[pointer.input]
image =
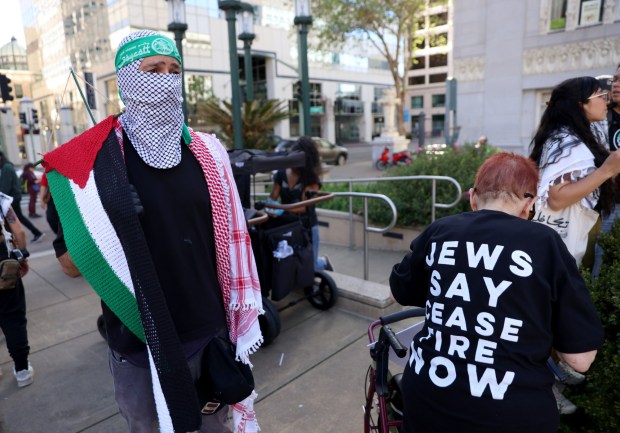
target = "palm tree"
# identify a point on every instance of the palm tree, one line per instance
(258, 119)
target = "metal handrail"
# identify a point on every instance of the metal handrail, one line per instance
(367, 228)
(434, 204)
(366, 196)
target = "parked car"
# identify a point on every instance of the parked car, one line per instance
(330, 153)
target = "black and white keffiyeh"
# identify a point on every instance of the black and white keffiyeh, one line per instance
(153, 118)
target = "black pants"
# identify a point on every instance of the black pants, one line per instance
(13, 324)
(51, 215)
(22, 219)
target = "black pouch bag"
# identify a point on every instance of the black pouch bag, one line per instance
(9, 273)
(223, 379)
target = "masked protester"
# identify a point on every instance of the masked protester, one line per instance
(150, 215)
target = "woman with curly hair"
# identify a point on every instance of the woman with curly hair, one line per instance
(292, 185)
(575, 169)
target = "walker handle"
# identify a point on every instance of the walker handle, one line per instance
(395, 344)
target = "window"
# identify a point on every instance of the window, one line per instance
(590, 12)
(420, 43)
(114, 104)
(438, 40)
(199, 89)
(418, 63)
(439, 101)
(437, 60)
(421, 23)
(437, 78)
(19, 91)
(420, 79)
(316, 99)
(439, 19)
(557, 18)
(438, 124)
(417, 102)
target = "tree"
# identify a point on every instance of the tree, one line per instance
(258, 119)
(389, 25)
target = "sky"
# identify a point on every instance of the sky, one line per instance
(12, 26)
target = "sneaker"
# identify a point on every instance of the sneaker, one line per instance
(565, 406)
(24, 377)
(571, 377)
(328, 264)
(38, 237)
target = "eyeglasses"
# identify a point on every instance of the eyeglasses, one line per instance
(604, 95)
(532, 213)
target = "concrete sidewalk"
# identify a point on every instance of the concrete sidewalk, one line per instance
(310, 379)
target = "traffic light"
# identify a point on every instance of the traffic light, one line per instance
(22, 119)
(297, 90)
(5, 88)
(35, 116)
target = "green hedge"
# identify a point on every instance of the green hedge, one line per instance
(413, 197)
(599, 398)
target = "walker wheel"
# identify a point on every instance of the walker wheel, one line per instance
(323, 293)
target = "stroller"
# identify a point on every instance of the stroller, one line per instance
(282, 246)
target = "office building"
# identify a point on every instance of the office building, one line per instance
(83, 35)
(509, 54)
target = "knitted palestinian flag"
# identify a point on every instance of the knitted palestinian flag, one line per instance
(104, 237)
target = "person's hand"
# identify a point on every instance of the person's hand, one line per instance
(612, 163)
(68, 266)
(135, 198)
(23, 268)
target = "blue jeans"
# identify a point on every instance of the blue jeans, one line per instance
(605, 228)
(134, 395)
(319, 262)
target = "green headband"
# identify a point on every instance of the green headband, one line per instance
(154, 45)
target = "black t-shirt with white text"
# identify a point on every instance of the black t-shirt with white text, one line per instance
(500, 292)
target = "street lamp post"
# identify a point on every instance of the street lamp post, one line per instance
(178, 25)
(247, 36)
(231, 7)
(303, 20)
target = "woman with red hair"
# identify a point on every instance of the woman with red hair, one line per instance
(500, 293)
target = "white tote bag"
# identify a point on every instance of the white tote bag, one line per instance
(573, 224)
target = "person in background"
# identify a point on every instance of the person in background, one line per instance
(609, 135)
(13, 300)
(32, 186)
(576, 170)
(501, 293)
(292, 185)
(150, 216)
(11, 186)
(47, 204)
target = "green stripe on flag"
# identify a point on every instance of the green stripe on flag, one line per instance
(89, 260)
